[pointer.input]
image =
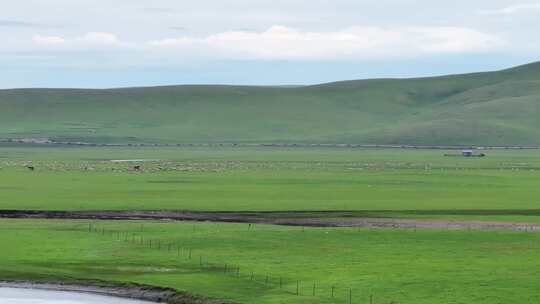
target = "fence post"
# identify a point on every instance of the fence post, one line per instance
(371, 299)
(313, 289)
(297, 288)
(350, 295)
(333, 291)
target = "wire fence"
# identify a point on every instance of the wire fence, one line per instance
(333, 293)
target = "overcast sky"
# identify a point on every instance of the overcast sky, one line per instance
(104, 43)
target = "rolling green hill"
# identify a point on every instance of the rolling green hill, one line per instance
(493, 108)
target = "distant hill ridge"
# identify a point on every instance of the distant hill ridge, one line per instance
(499, 108)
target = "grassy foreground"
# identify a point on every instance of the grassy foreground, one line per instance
(395, 266)
(233, 179)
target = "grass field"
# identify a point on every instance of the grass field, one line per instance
(234, 179)
(395, 266)
(496, 108)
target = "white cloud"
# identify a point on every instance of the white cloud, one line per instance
(89, 39)
(454, 40)
(286, 43)
(39, 39)
(513, 9)
(99, 38)
(279, 42)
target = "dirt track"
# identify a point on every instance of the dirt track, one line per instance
(308, 218)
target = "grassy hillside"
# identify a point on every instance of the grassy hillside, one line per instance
(495, 108)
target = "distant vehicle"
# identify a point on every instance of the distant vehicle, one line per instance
(468, 153)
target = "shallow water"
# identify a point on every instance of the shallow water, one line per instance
(33, 296)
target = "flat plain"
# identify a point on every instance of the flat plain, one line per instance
(232, 261)
(259, 179)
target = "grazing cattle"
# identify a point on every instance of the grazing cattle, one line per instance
(31, 168)
(137, 168)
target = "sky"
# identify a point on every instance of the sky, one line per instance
(104, 43)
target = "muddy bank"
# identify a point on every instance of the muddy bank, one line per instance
(126, 291)
(292, 218)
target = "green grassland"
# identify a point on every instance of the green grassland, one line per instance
(392, 265)
(395, 266)
(503, 185)
(495, 108)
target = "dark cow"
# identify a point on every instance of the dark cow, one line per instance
(31, 168)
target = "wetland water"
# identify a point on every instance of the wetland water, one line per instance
(35, 296)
